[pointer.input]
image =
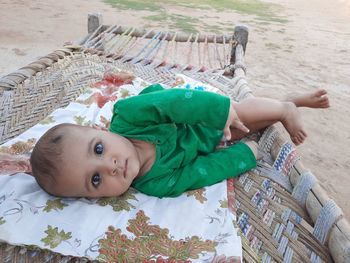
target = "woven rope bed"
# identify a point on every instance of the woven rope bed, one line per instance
(283, 213)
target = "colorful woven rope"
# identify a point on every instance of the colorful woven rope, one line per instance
(282, 156)
(265, 169)
(267, 139)
(330, 212)
(301, 190)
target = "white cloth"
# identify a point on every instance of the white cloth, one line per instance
(78, 227)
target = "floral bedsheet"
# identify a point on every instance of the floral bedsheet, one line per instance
(194, 227)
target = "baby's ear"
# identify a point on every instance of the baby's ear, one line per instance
(97, 127)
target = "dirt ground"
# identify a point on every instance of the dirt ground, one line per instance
(311, 50)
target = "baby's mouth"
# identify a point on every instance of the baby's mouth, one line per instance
(125, 168)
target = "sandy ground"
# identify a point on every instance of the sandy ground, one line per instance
(312, 50)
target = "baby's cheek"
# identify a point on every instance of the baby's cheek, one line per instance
(121, 189)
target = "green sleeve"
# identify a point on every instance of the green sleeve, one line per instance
(172, 106)
(205, 170)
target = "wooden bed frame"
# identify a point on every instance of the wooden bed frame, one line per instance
(32, 92)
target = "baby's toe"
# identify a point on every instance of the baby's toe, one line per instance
(321, 92)
(303, 134)
(325, 102)
(295, 140)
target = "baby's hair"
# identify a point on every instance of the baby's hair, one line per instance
(46, 158)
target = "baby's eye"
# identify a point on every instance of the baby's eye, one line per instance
(96, 180)
(98, 148)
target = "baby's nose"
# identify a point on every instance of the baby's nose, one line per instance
(114, 167)
(110, 166)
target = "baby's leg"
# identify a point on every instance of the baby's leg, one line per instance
(258, 113)
(261, 113)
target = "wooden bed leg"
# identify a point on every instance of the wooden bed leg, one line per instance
(95, 28)
(241, 36)
(94, 21)
(236, 67)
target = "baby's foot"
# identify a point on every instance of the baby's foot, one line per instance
(318, 99)
(293, 124)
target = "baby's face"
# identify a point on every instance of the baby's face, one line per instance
(96, 164)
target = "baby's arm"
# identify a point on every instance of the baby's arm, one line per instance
(205, 170)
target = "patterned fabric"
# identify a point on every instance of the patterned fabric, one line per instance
(196, 226)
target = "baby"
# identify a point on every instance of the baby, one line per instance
(163, 143)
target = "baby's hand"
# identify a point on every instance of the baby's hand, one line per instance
(233, 121)
(98, 127)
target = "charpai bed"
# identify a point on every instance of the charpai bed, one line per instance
(275, 213)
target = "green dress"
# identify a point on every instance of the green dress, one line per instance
(186, 127)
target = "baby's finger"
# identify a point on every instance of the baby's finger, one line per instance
(98, 127)
(240, 126)
(227, 134)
